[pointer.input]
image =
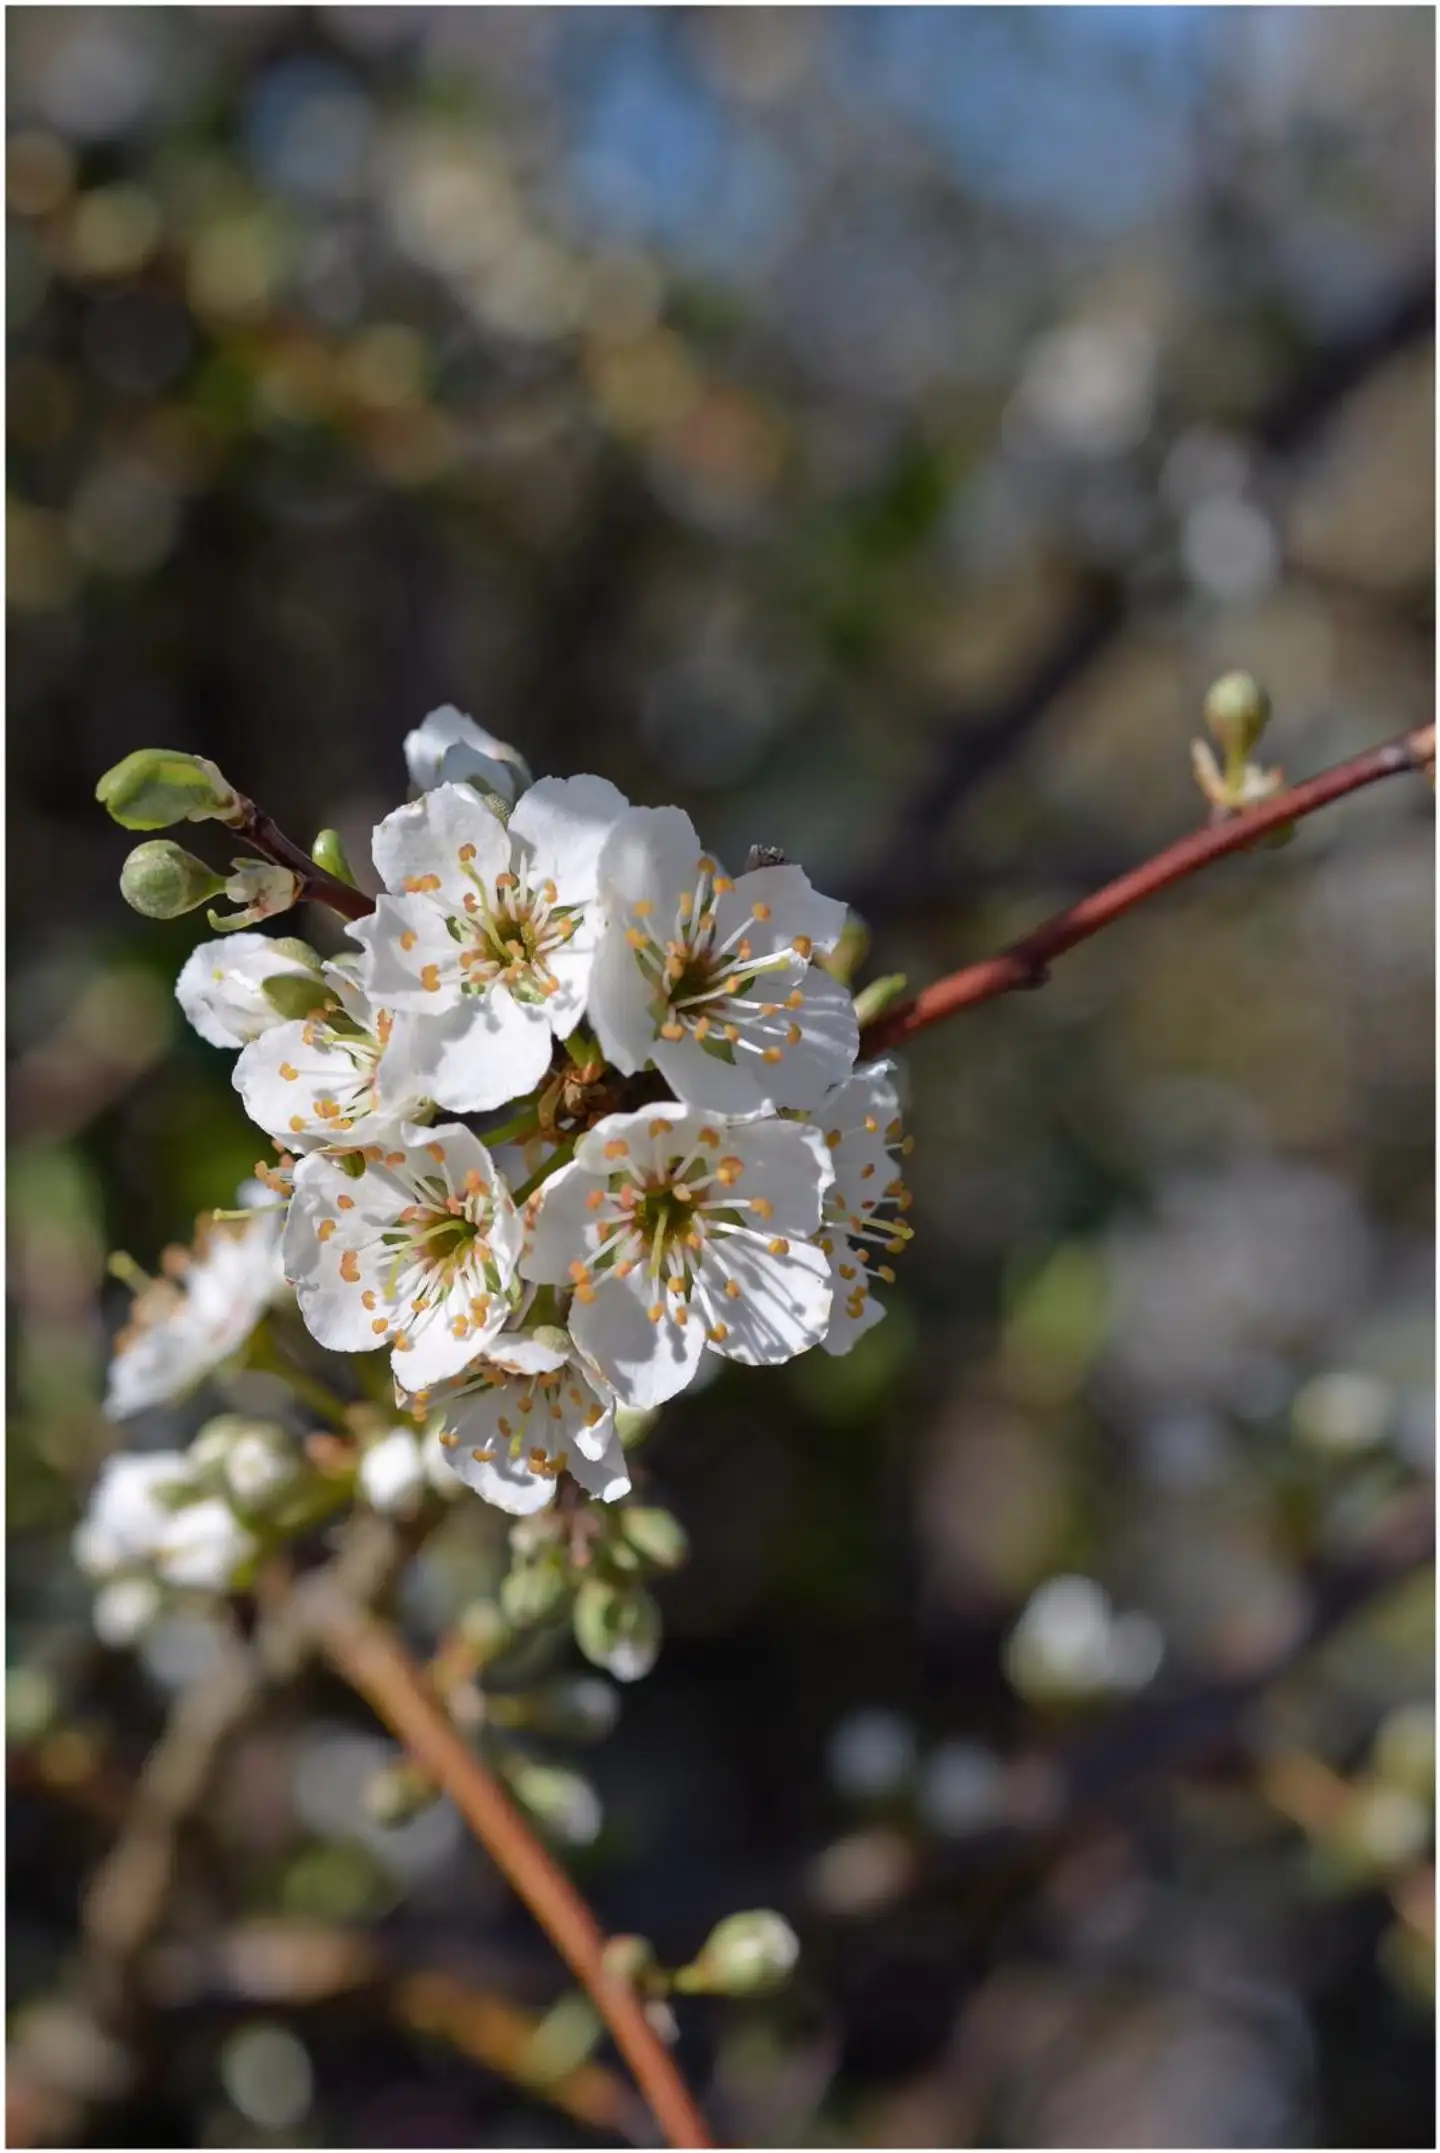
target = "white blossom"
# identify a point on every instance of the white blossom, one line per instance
(677, 1231)
(392, 1472)
(126, 1514)
(123, 1609)
(416, 1251)
(221, 987)
(711, 978)
(185, 1324)
(860, 1122)
(202, 1547)
(487, 933)
(525, 1412)
(451, 749)
(328, 1078)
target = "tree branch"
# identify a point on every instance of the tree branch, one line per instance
(265, 834)
(1026, 962)
(373, 1661)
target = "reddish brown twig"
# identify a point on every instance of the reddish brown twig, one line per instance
(1025, 963)
(265, 834)
(373, 1661)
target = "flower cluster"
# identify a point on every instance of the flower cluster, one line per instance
(580, 1110)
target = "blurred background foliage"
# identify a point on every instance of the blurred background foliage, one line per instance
(871, 428)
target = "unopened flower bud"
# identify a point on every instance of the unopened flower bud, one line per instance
(450, 748)
(123, 1609)
(155, 787)
(532, 1592)
(580, 1709)
(261, 889)
(850, 952)
(749, 1954)
(562, 1801)
(162, 881)
(618, 1628)
(399, 1792)
(656, 1536)
(873, 1000)
(631, 1959)
(1404, 1753)
(634, 1422)
(1237, 711)
(329, 853)
(484, 1631)
(392, 1473)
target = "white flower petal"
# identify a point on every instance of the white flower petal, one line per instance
(483, 1053)
(620, 1004)
(606, 1476)
(644, 1362)
(855, 1309)
(793, 906)
(450, 747)
(410, 960)
(782, 1306)
(221, 987)
(708, 1081)
(650, 854)
(424, 840)
(556, 1219)
(560, 828)
(392, 1472)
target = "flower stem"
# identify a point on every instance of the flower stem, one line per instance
(1025, 963)
(375, 1663)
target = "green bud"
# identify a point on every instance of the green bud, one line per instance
(565, 2038)
(1404, 1753)
(618, 1627)
(399, 1792)
(873, 1000)
(484, 1631)
(351, 1163)
(562, 1801)
(632, 1959)
(580, 1708)
(155, 787)
(1237, 711)
(849, 953)
(32, 1703)
(295, 995)
(633, 1423)
(328, 852)
(533, 1592)
(161, 881)
(745, 1955)
(655, 1535)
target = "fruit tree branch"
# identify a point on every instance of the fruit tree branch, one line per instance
(1026, 962)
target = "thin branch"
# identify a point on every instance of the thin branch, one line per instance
(265, 834)
(1026, 962)
(373, 1661)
